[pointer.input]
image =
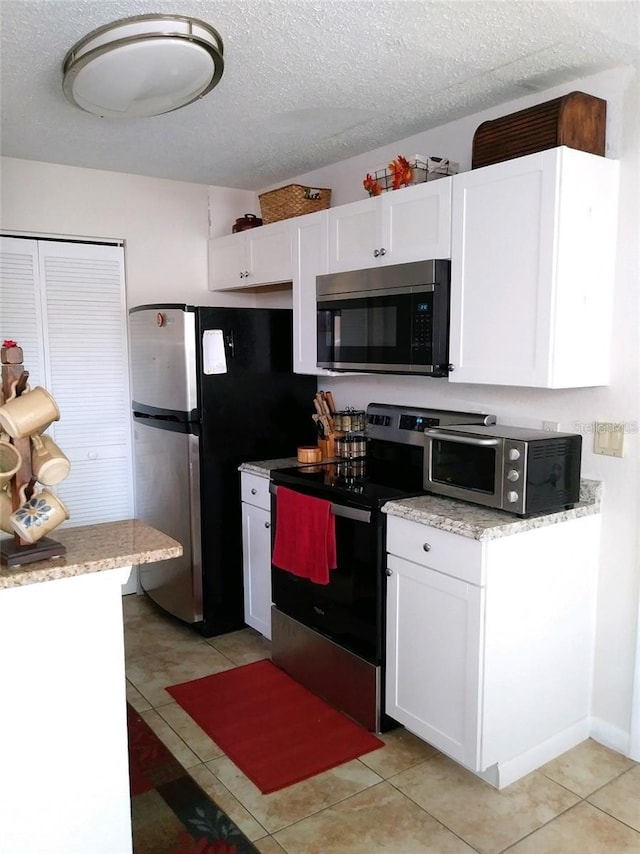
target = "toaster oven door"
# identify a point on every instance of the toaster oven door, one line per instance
(467, 467)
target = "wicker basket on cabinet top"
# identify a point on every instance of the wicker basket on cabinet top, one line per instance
(576, 120)
(293, 200)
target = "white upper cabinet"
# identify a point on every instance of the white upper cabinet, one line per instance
(532, 266)
(257, 256)
(411, 224)
(309, 238)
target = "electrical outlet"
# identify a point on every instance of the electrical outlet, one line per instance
(608, 439)
(551, 426)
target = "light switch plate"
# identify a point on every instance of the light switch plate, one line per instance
(608, 439)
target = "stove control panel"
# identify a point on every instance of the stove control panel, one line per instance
(406, 424)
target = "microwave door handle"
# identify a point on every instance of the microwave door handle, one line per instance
(463, 440)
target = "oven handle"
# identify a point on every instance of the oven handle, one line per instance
(339, 509)
(464, 440)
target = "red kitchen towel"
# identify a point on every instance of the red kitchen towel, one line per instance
(305, 541)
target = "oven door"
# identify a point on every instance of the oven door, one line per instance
(349, 609)
(466, 467)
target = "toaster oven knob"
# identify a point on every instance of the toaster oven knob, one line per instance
(514, 454)
(513, 475)
(512, 497)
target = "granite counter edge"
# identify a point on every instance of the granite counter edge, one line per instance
(481, 523)
(154, 546)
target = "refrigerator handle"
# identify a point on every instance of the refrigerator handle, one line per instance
(231, 344)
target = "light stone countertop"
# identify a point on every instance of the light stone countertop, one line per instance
(462, 517)
(264, 467)
(93, 548)
(482, 523)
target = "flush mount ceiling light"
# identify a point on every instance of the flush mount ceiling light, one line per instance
(143, 66)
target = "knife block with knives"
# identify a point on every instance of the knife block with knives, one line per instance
(323, 418)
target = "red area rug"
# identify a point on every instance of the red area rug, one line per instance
(275, 730)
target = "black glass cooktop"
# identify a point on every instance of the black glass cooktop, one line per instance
(386, 473)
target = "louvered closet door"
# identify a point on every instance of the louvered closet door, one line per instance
(89, 378)
(64, 304)
(20, 303)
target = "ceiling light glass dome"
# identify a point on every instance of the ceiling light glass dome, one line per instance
(143, 66)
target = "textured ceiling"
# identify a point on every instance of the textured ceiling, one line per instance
(306, 82)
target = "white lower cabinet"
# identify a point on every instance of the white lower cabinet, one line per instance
(434, 635)
(256, 552)
(490, 642)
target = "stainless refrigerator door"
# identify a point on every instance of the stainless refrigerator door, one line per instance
(167, 475)
(163, 358)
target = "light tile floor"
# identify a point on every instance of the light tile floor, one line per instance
(405, 798)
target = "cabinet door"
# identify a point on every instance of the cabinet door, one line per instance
(256, 561)
(269, 254)
(416, 222)
(354, 235)
(530, 306)
(434, 642)
(501, 285)
(228, 262)
(309, 238)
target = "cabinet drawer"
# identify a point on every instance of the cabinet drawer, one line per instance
(452, 554)
(255, 490)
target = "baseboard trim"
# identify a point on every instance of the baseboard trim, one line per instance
(504, 773)
(610, 736)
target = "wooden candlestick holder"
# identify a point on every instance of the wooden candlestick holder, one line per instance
(16, 551)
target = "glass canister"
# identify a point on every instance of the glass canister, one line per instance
(349, 447)
(349, 420)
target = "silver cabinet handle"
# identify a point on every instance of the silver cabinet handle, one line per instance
(242, 275)
(388, 572)
(254, 491)
(246, 274)
(383, 251)
(426, 547)
(267, 524)
(376, 252)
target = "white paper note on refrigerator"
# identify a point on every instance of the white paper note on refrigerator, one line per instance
(214, 360)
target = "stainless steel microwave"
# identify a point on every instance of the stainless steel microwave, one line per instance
(515, 469)
(392, 319)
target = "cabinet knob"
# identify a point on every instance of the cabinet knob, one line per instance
(426, 547)
(242, 275)
(246, 274)
(254, 491)
(267, 524)
(388, 572)
(376, 252)
(383, 251)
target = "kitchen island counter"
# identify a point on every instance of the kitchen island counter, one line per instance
(63, 723)
(483, 523)
(94, 548)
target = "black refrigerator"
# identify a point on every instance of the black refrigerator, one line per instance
(211, 388)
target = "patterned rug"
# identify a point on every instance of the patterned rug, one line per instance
(171, 813)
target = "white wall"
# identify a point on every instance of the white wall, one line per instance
(164, 224)
(620, 401)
